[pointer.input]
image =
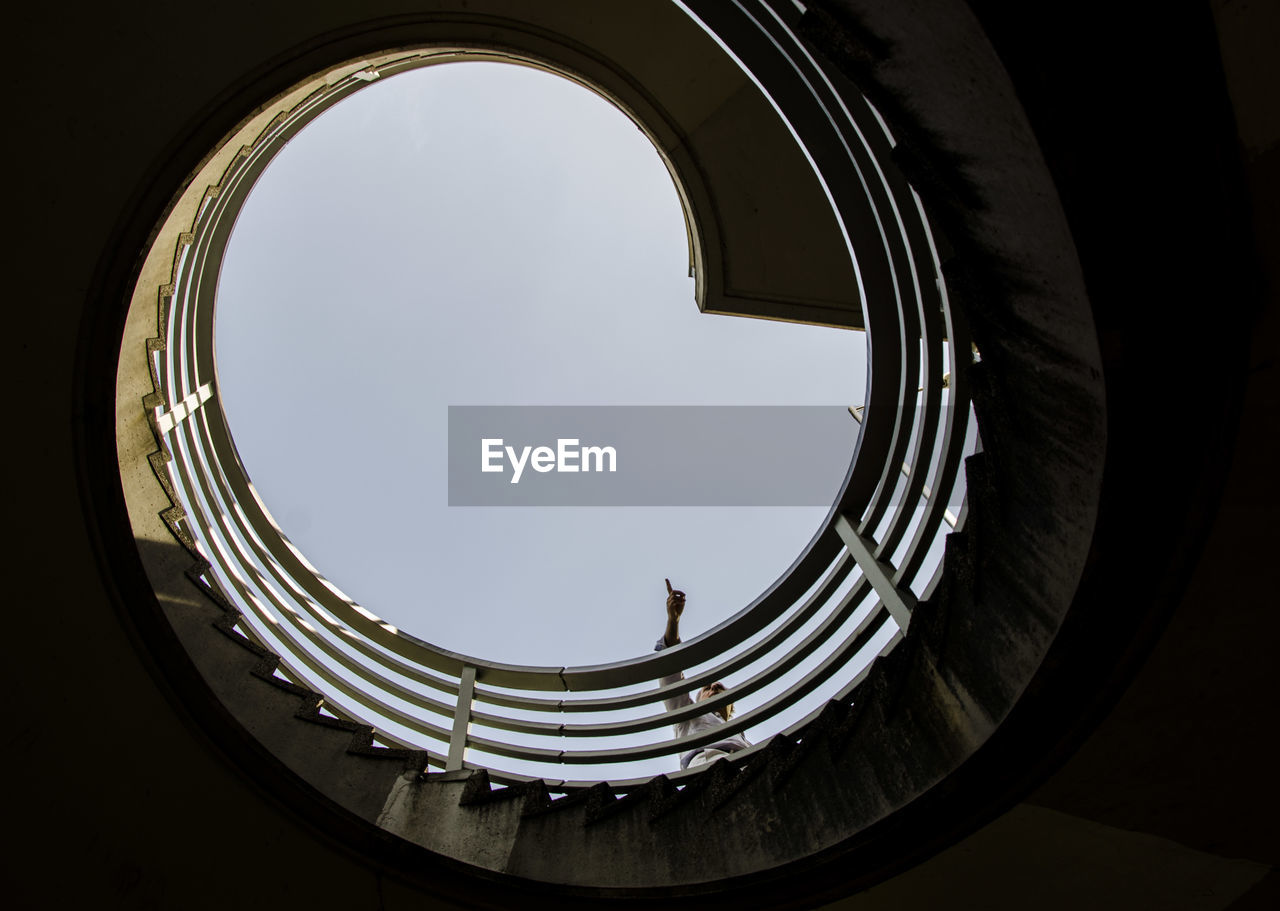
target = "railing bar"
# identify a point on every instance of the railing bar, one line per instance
(290, 650)
(855, 642)
(213, 480)
(290, 610)
(839, 571)
(739, 723)
(847, 607)
(925, 492)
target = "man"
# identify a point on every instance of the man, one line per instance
(699, 723)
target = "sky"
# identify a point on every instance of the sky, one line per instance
(488, 234)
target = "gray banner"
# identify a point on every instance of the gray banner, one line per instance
(648, 455)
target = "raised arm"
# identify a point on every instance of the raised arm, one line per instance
(675, 607)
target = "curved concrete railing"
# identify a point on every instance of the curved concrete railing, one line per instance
(847, 599)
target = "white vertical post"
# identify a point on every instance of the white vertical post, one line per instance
(898, 602)
(461, 720)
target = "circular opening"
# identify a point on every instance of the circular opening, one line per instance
(804, 646)
(876, 538)
(481, 233)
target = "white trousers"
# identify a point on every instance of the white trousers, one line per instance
(706, 756)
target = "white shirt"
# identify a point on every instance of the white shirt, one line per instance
(698, 723)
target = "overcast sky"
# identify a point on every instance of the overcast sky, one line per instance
(481, 233)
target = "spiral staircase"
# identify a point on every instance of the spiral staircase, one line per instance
(1083, 251)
